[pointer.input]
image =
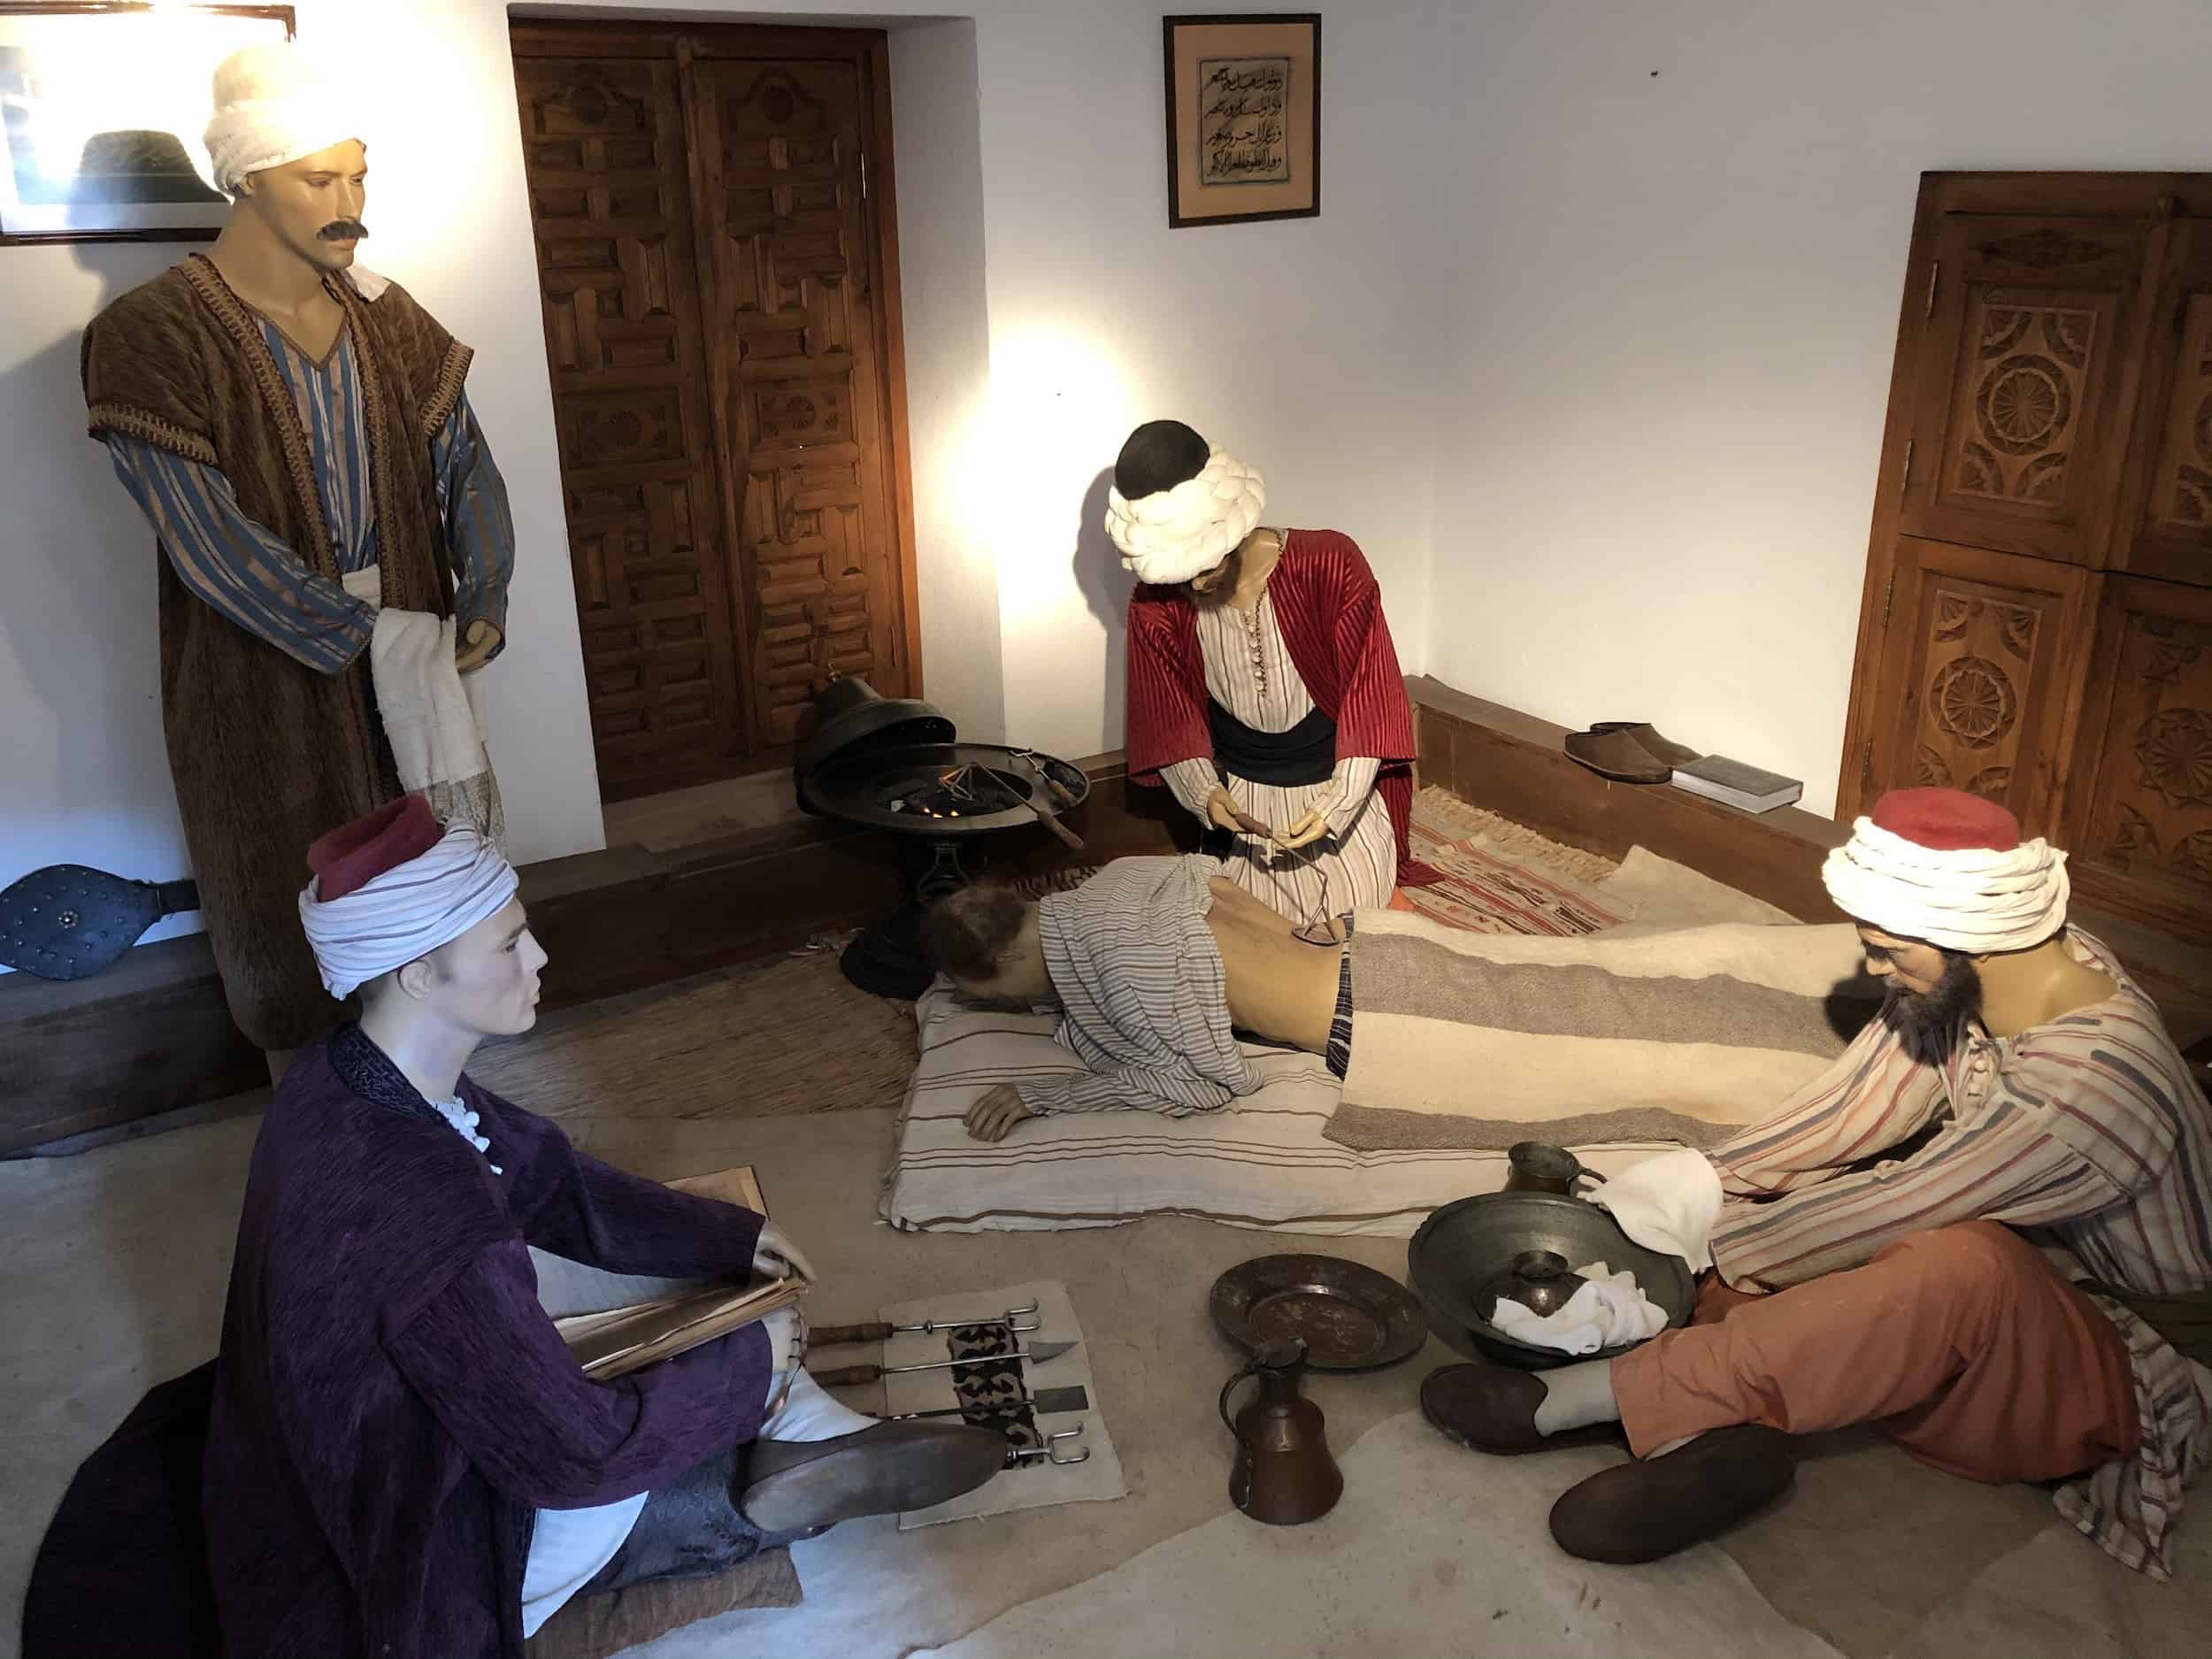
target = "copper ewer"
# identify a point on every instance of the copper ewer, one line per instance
(1283, 1474)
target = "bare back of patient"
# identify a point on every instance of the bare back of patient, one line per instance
(1279, 986)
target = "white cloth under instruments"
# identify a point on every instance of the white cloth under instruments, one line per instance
(433, 714)
(1608, 1311)
(1355, 866)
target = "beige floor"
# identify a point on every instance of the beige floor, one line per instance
(113, 1276)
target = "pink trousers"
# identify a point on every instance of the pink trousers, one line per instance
(1964, 1343)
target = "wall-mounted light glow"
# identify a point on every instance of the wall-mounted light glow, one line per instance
(1060, 409)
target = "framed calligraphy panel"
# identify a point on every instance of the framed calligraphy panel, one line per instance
(1243, 117)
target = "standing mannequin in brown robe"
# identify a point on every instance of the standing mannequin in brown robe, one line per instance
(297, 434)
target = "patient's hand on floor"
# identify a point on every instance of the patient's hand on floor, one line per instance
(997, 1112)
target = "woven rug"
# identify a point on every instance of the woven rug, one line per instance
(1500, 877)
(762, 1040)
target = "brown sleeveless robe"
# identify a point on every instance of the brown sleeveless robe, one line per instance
(267, 753)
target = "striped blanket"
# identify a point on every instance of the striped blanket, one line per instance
(1261, 1161)
(1476, 1040)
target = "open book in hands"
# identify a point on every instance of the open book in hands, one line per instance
(622, 1340)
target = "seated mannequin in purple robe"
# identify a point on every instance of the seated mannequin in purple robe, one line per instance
(402, 1457)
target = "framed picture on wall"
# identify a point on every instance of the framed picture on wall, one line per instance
(1243, 117)
(101, 113)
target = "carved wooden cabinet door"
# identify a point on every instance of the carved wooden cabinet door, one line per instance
(1982, 649)
(2141, 830)
(2018, 416)
(793, 335)
(603, 153)
(2168, 498)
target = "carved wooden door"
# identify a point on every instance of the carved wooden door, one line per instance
(2037, 624)
(1985, 647)
(795, 337)
(720, 306)
(605, 155)
(2017, 437)
(2168, 501)
(2142, 832)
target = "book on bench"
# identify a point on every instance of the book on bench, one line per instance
(622, 1340)
(1733, 783)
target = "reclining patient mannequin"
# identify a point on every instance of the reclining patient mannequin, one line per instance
(1152, 964)
(402, 1457)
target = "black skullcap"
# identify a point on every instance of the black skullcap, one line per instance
(1159, 455)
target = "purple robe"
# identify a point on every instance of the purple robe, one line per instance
(392, 1404)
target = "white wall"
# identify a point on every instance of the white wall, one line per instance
(1677, 300)
(1034, 230)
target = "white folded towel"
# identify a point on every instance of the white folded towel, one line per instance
(1607, 1311)
(1670, 1204)
(432, 718)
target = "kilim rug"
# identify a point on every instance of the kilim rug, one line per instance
(1502, 879)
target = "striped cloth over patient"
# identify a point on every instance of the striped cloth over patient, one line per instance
(1479, 1040)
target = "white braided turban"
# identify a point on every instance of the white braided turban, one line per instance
(274, 105)
(406, 912)
(1174, 535)
(1974, 899)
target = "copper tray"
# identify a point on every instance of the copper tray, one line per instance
(1350, 1317)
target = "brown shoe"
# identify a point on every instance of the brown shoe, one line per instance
(1651, 1507)
(1617, 756)
(792, 1485)
(1493, 1409)
(1648, 739)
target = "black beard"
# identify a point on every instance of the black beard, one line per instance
(1929, 1024)
(343, 230)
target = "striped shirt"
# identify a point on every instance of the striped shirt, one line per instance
(1144, 1001)
(247, 574)
(1355, 866)
(2088, 1132)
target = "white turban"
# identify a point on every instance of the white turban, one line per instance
(1174, 535)
(272, 104)
(406, 912)
(1974, 899)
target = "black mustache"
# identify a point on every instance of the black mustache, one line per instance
(343, 230)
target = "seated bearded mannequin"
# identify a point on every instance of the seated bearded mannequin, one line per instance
(1864, 1246)
(1153, 962)
(402, 1457)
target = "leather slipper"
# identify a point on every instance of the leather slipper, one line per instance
(796, 1486)
(1646, 1510)
(1492, 1410)
(1650, 741)
(1617, 756)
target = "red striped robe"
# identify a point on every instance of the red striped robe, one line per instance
(1329, 608)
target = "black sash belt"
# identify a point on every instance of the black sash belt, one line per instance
(1305, 754)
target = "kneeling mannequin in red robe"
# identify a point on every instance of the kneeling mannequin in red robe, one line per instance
(1263, 689)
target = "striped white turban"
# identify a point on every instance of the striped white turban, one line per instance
(392, 887)
(273, 104)
(1949, 868)
(1174, 535)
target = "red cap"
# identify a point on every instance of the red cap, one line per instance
(1947, 820)
(350, 858)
